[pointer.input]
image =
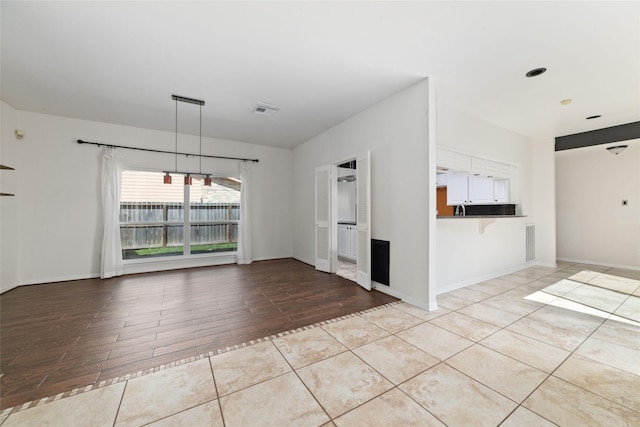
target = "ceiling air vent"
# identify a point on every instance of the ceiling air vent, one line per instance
(266, 109)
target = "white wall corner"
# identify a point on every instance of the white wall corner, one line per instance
(432, 134)
(395, 130)
(430, 306)
(544, 199)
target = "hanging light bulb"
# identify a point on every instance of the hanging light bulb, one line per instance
(188, 180)
(167, 178)
(207, 181)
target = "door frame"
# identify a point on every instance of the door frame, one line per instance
(332, 266)
(325, 214)
(334, 203)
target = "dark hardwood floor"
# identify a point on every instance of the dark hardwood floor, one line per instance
(59, 336)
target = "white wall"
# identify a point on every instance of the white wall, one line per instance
(592, 224)
(9, 216)
(396, 131)
(59, 203)
(475, 249)
(543, 173)
(472, 250)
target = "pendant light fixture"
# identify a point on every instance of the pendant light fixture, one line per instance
(188, 180)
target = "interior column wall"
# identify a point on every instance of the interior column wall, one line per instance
(470, 250)
(396, 131)
(544, 200)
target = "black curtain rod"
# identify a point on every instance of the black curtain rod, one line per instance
(99, 144)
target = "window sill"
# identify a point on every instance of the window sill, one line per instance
(134, 266)
(157, 259)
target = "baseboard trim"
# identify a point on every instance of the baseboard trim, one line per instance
(59, 279)
(142, 267)
(432, 305)
(601, 264)
(477, 279)
(311, 263)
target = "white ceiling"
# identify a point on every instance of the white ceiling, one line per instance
(321, 62)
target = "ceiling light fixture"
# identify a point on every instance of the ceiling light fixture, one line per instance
(566, 101)
(594, 117)
(617, 149)
(536, 72)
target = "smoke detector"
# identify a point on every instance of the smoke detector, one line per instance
(265, 109)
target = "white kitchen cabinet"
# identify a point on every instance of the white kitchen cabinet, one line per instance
(347, 241)
(504, 171)
(501, 191)
(461, 162)
(457, 190)
(493, 168)
(475, 190)
(444, 159)
(479, 166)
(441, 179)
(480, 190)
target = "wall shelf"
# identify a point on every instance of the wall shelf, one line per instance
(9, 168)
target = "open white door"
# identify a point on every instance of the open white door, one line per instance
(323, 218)
(363, 219)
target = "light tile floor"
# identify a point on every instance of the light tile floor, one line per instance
(539, 347)
(347, 269)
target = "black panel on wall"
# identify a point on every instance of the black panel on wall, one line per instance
(380, 261)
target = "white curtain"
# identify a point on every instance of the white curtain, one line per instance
(244, 225)
(111, 246)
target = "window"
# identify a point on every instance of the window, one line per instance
(154, 215)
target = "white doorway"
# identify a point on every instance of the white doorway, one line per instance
(350, 237)
(347, 230)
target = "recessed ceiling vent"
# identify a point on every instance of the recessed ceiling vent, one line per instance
(266, 109)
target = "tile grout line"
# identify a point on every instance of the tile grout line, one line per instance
(295, 372)
(548, 375)
(124, 389)
(350, 350)
(397, 386)
(215, 385)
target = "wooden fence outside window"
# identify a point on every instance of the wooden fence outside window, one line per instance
(161, 224)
